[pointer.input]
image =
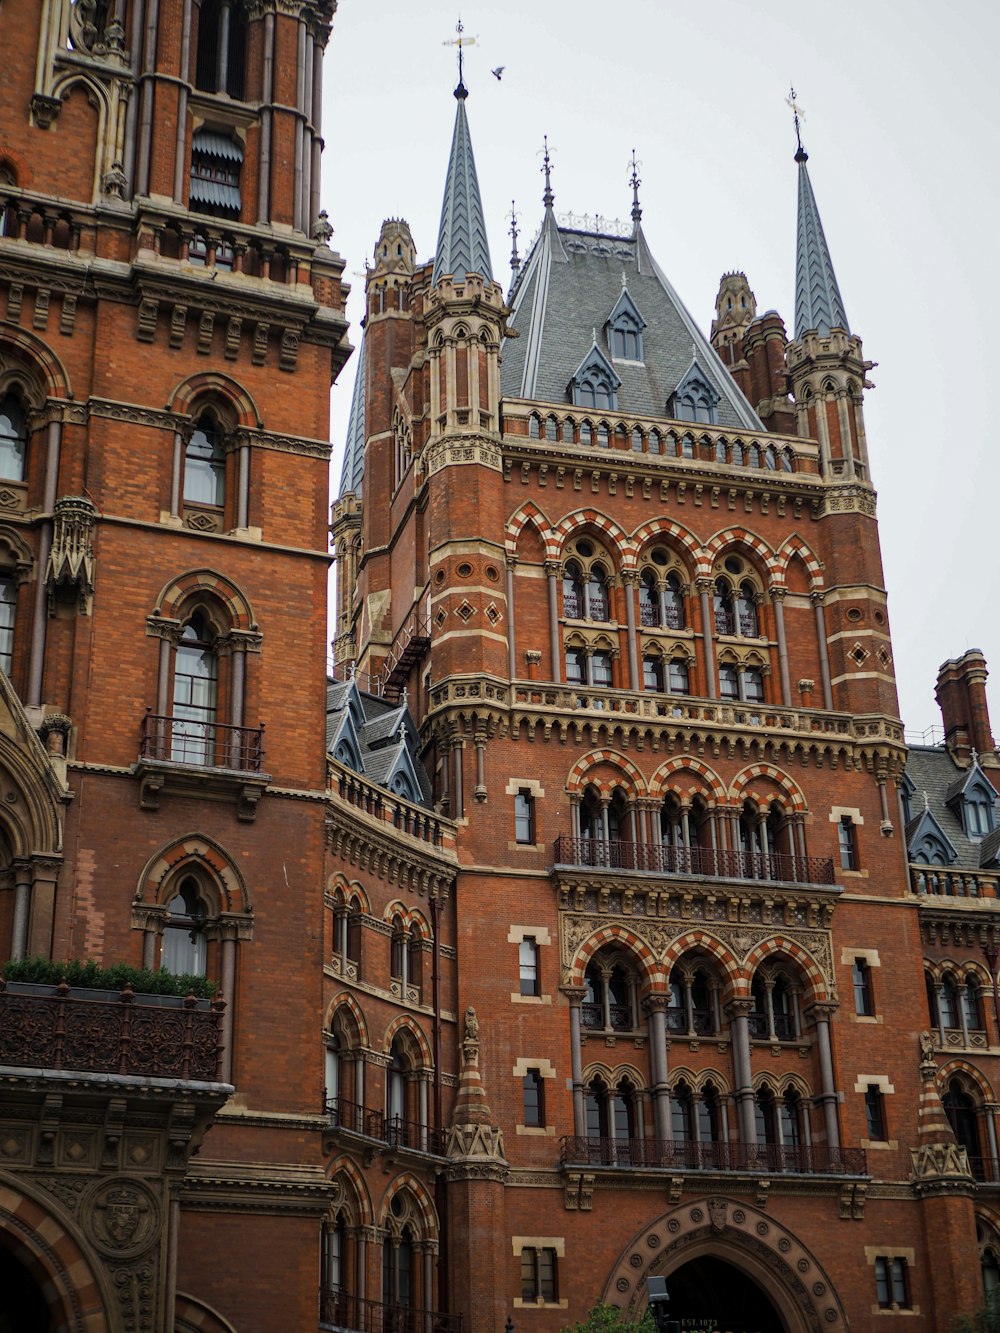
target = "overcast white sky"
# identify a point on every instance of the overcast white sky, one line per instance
(902, 102)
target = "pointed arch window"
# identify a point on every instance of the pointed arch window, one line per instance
(205, 465)
(13, 438)
(196, 694)
(595, 383)
(695, 398)
(183, 949)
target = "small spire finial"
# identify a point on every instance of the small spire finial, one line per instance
(461, 41)
(548, 198)
(635, 182)
(799, 115)
(514, 232)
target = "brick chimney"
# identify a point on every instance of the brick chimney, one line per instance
(961, 693)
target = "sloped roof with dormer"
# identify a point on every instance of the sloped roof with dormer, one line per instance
(935, 782)
(566, 290)
(819, 306)
(462, 243)
(376, 737)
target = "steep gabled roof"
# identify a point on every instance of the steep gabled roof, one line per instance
(819, 306)
(462, 244)
(565, 289)
(378, 739)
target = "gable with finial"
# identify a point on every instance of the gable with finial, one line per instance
(624, 328)
(926, 841)
(972, 799)
(695, 398)
(595, 382)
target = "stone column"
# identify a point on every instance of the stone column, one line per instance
(739, 1012)
(821, 1014)
(824, 655)
(555, 644)
(655, 1006)
(778, 595)
(575, 996)
(36, 663)
(511, 563)
(705, 589)
(22, 910)
(629, 578)
(228, 984)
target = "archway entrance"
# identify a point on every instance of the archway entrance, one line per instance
(23, 1305)
(708, 1295)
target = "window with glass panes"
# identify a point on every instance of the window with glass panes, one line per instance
(528, 965)
(524, 816)
(847, 843)
(534, 1099)
(891, 1284)
(875, 1112)
(861, 978)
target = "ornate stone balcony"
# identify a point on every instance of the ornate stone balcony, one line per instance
(181, 756)
(45, 1028)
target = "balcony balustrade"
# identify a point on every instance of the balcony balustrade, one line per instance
(713, 862)
(352, 1314)
(392, 1130)
(402, 815)
(686, 1155)
(139, 1035)
(942, 883)
(201, 744)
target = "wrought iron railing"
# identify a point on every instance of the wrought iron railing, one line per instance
(783, 1025)
(338, 1309)
(686, 1155)
(390, 1129)
(711, 861)
(986, 1170)
(620, 1016)
(201, 744)
(702, 1022)
(145, 1036)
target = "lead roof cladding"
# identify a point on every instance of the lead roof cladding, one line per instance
(566, 291)
(819, 306)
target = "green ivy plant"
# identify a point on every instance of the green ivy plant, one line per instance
(606, 1319)
(91, 976)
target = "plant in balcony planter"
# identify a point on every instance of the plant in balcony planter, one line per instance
(92, 976)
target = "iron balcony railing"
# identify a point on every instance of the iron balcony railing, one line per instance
(390, 1129)
(353, 1314)
(143, 1036)
(201, 744)
(662, 859)
(986, 1170)
(685, 1155)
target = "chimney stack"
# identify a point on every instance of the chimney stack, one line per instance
(961, 694)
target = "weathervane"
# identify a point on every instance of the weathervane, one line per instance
(799, 116)
(460, 41)
(635, 182)
(548, 198)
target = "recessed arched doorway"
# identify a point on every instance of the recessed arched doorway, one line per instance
(23, 1305)
(730, 1243)
(712, 1296)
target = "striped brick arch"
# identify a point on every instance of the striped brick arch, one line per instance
(703, 942)
(626, 939)
(741, 786)
(211, 386)
(660, 783)
(357, 1017)
(975, 1077)
(205, 585)
(402, 1024)
(353, 891)
(418, 1193)
(196, 851)
(671, 534)
(519, 520)
(574, 525)
(44, 370)
(795, 545)
(344, 1173)
(581, 774)
(38, 1237)
(739, 539)
(778, 946)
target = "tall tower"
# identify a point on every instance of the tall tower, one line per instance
(171, 317)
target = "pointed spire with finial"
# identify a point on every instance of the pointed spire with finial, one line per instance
(514, 232)
(819, 307)
(548, 198)
(635, 182)
(462, 245)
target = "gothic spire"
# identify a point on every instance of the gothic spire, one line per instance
(462, 244)
(818, 303)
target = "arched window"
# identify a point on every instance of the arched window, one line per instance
(694, 1000)
(395, 1084)
(746, 608)
(609, 998)
(653, 675)
(961, 1110)
(678, 676)
(576, 666)
(765, 1116)
(183, 948)
(13, 438)
(971, 1010)
(574, 596)
(8, 610)
(221, 59)
(195, 696)
(598, 607)
(612, 1119)
(205, 465)
(729, 681)
(649, 599)
(725, 612)
(775, 1014)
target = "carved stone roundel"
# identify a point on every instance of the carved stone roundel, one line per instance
(123, 1217)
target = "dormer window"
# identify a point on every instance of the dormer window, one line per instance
(624, 327)
(978, 813)
(595, 384)
(216, 164)
(695, 399)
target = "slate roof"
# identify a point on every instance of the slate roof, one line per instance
(932, 770)
(462, 243)
(568, 287)
(818, 303)
(386, 734)
(353, 472)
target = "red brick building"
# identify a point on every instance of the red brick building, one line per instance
(567, 938)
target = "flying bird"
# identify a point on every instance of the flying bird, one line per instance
(498, 72)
